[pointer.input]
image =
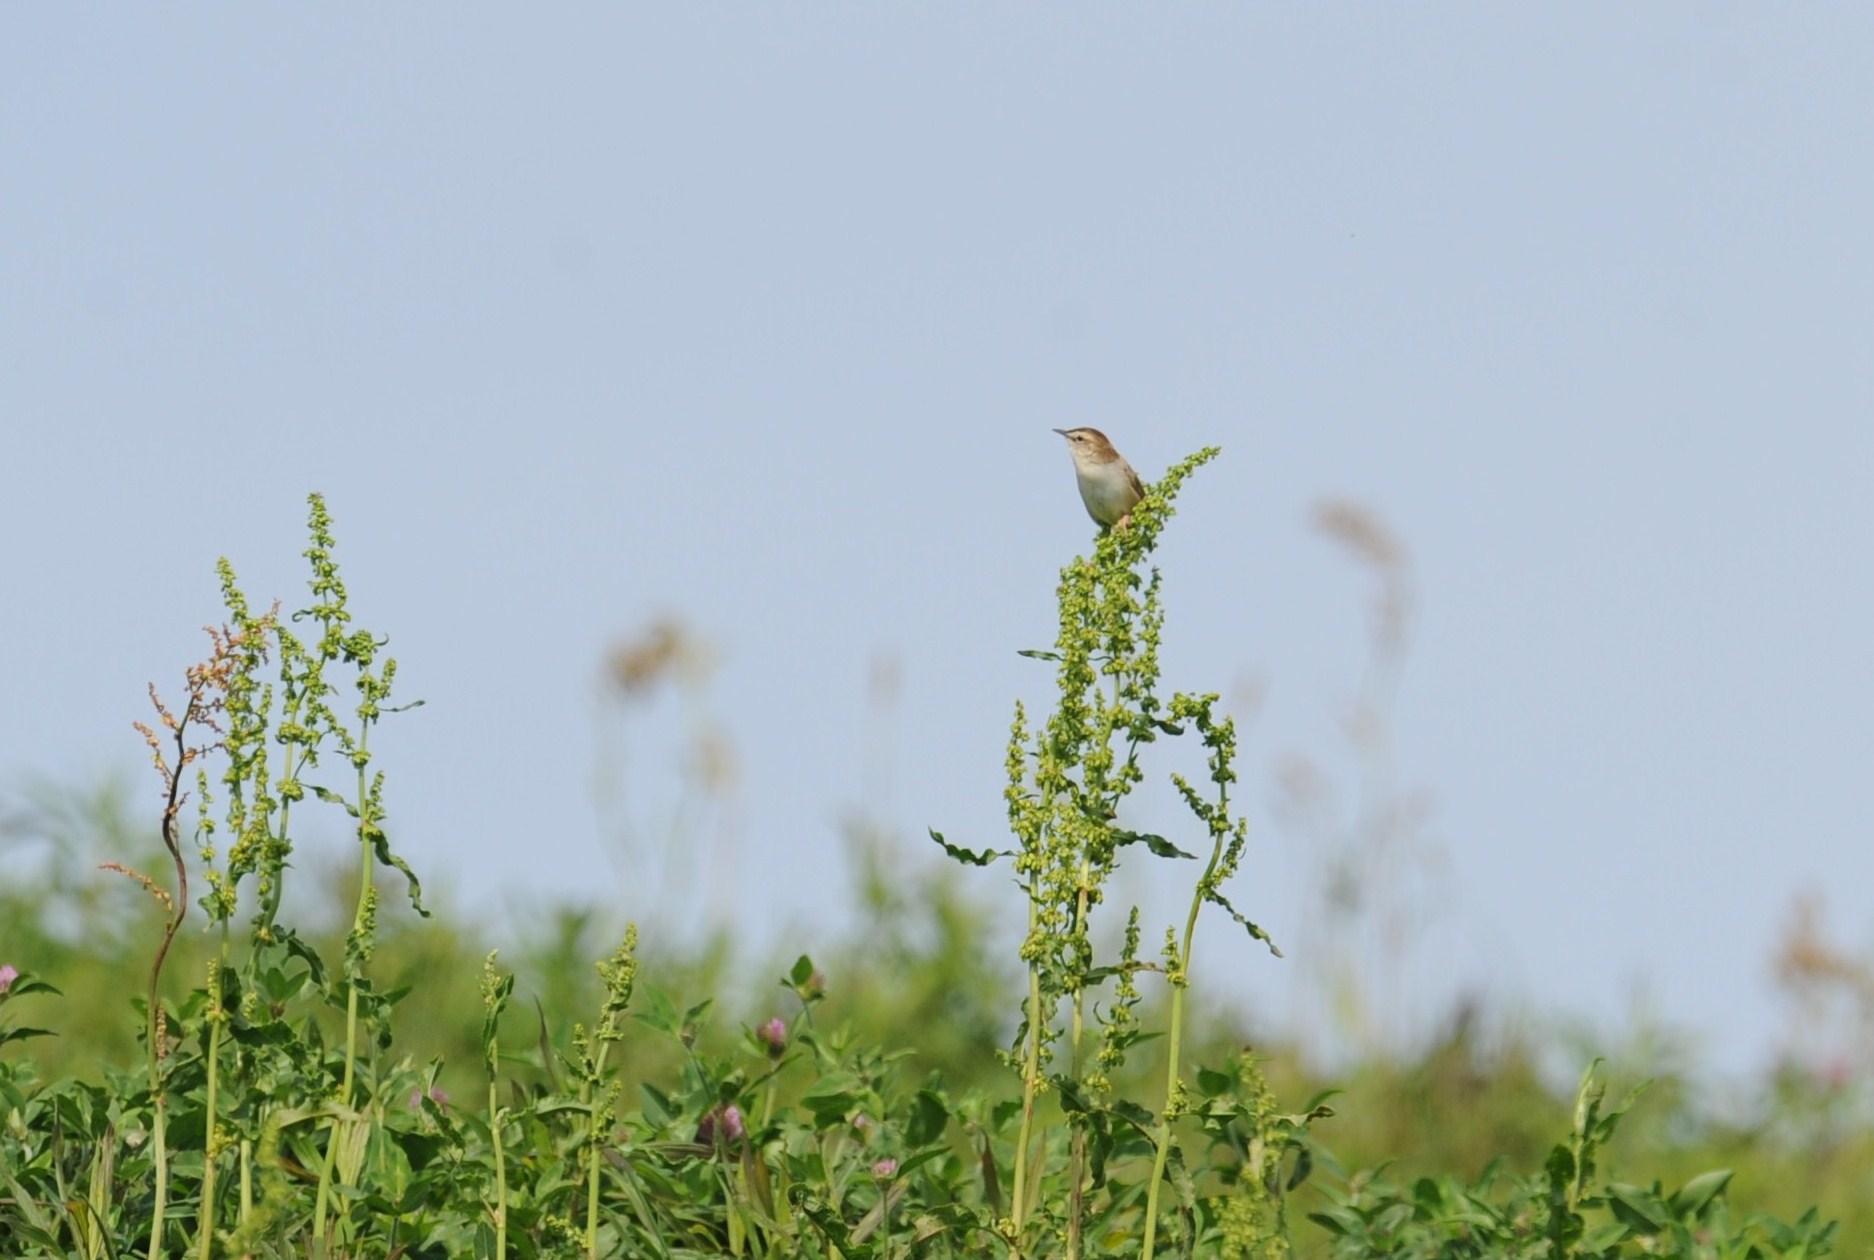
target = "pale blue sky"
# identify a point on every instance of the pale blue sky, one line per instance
(763, 315)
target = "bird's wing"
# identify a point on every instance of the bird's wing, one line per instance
(1132, 476)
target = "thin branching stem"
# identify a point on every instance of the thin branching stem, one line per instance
(155, 1031)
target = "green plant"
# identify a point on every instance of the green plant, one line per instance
(280, 1112)
(1067, 779)
(1568, 1209)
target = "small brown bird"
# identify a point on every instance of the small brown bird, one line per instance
(1108, 486)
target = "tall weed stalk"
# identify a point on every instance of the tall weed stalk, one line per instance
(231, 711)
(1067, 779)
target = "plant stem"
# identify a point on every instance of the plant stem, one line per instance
(1031, 1080)
(216, 1018)
(247, 1179)
(354, 964)
(160, 1155)
(592, 1154)
(153, 1025)
(501, 1175)
(1173, 1048)
(1077, 1160)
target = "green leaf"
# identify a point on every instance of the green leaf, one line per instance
(1316, 1108)
(836, 1094)
(1605, 1240)
(992, 1183)
(1185, 1185)
(1039, 654)
(656, 1010)
(1100, 1146)
(1338, 1221)
(921, 1158)
(380, 844)
(290, 941)
(828, 1222)
(333, 798)
(1256, 933)
(657, 1105)
(929, 1118)
(1135, 1115)
(41, 1219)
(969, 857)
(21, 1034)
(386, 1167)
(1073, 1101)
(1638, 1208)
(1693, 1197)
(547, 1058)
(25, 983)
(1304, 1164)
(801, 973)
(1157, 844)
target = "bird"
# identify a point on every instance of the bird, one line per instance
(1108, 486)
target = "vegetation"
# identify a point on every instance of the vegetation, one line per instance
(332, 1070)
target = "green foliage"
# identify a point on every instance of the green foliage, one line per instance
(1565, 1210)
(372, 1088)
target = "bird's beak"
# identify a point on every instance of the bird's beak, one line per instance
(1062, 432)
